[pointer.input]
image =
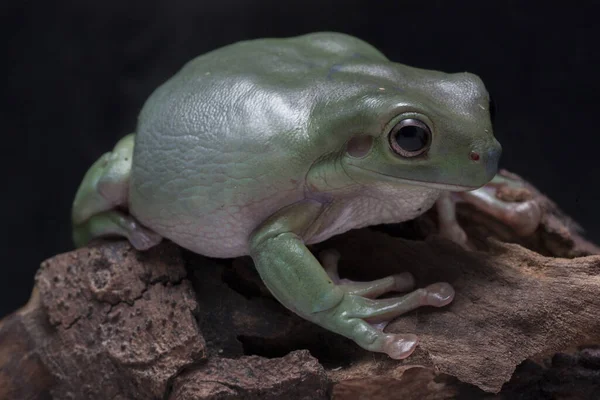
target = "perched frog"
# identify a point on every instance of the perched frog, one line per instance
(265, 146)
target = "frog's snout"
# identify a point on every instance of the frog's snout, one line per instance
(489, 158)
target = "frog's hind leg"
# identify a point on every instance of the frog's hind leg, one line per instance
(101, 200)
(115, 223)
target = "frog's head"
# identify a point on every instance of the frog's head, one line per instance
(429, 129)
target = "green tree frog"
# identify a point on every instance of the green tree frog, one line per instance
(265, 146)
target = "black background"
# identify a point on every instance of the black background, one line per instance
(76, 74)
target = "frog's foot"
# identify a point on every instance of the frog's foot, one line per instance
(363, 319)
(523, 215)
(115, 223)
(367, 318)
(394, 283)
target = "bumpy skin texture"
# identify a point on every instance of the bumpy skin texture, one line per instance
(245, 130)
(265, 146)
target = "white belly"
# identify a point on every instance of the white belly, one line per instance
(225, 232)
(379, 204)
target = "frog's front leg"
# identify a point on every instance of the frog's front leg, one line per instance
(297, 279)
(522, 216)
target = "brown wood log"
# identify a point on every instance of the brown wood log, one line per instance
(107, 322)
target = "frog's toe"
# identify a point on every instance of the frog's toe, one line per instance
(454, 232)
(139, 236)
(364, 319)
(382, 310)
(524, 217)
(447, 223)
(400, 346)
(439, 294)
(371, 337)
(402, 282)
(143, 239)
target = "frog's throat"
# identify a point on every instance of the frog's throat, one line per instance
(434, 185)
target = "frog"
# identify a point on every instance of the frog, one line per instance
(265, 147)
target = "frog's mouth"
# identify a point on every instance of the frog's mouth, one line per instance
(415, 182)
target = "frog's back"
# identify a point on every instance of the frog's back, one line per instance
(227, 141)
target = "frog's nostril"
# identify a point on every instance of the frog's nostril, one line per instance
(474, 156)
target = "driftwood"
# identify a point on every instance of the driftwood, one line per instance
(107, 322)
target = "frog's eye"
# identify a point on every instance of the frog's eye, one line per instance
(410, 137)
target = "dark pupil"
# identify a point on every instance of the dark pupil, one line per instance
(411, 138)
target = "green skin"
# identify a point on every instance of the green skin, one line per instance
(265, 146)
